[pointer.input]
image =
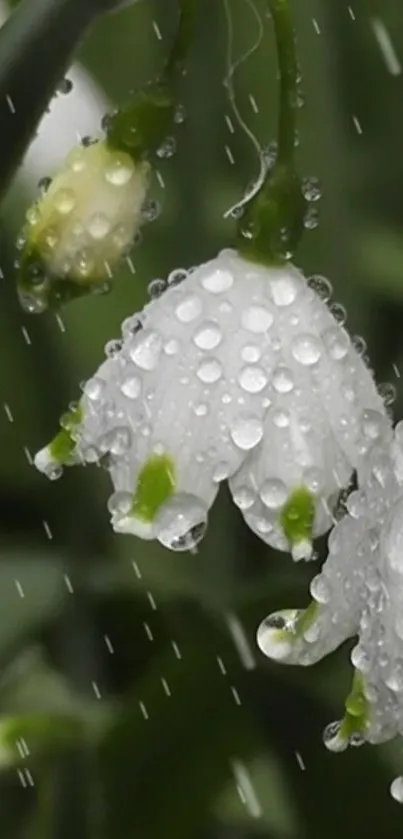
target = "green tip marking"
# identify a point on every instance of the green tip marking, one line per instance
(306, 619)
(62, 446)
(297, 516)
(356, 705)
(155, 484)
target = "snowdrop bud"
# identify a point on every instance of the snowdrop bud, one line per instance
(81, 227)
(319, 393)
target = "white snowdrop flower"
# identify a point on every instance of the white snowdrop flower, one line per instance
(319, 391)
(226, 375)
(84, 223)
(359, 592)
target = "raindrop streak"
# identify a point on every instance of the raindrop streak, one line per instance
(388, 51)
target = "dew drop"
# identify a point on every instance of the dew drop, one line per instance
(252, 379)
(120, 503)
(311, 219)
(119, 170)
(311, 189)
(273, 493)
(339, 313)
(396, 789)
(64, 201)
(209, 371)
(155, 288)
(201, 410)
(246, 431)
(337, 342)
(319, 589)
(146, 351)
(208, 336)
(250, 353)
(321, 286)
(150, 210)
(244, 497)
(188, 308)
(284, 289)
(306, 349)
(99, 226)
(218, 281)
(181, 522)
(113, 348)
(131, 387)
(176, 277)
(387, 392)
(94, 388)
(283, 379)
(221, 471)
(171, 347)
(257, 319)
(332, 737)
(167, 148)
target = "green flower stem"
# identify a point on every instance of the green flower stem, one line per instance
(273, 222)
(175, 65)
(287, 59)
(142, 124)
(36, 45)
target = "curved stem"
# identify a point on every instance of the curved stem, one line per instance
(273, 222)
(288, 66)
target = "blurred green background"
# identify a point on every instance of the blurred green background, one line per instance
(138, 667)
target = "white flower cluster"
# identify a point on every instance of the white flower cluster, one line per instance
(239, 372)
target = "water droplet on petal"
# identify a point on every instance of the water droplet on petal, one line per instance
(155, 288)
(321, 286)
(396, 789)
(319, 589)
(209, 371)
(250, 353)
(333, 739)
(252, 379)
(177, 277)
(337, 342)
(284, 289)
(99, 226)
(283, 379)
(218, 281)
(257, 319)
(306, 349)
(146, 350)
(208, 336)
(94, 388)
(246, 431)
(221, 471)
(131, 387)
(120, 503)
(113, 348)
(119, 170)
(244, 497)
(189, 308)
(273, 493)
(64, 201)
(181, 522)
(339, 313)
(171, 347)
(201, 410)
(387, 392)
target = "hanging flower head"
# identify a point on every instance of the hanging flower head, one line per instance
(358, 593)
(239, 372)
